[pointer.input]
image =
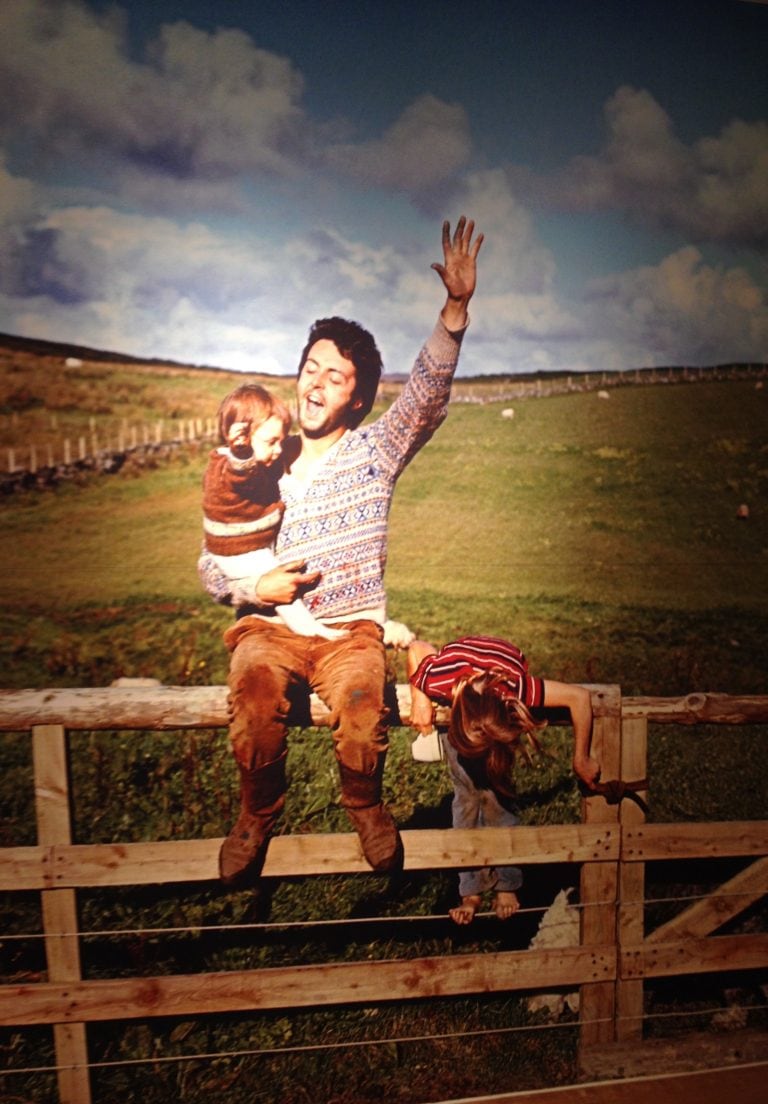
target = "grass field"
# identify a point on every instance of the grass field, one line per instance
(600, 535)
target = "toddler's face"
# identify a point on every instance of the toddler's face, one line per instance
(267, 440)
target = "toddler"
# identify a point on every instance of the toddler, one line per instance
(242, 509)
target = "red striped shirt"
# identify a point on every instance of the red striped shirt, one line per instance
(437, 674)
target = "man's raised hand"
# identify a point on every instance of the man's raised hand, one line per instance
(458, 270)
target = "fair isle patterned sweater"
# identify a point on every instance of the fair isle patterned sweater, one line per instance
(338, 524)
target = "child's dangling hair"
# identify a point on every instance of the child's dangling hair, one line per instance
(488, 721)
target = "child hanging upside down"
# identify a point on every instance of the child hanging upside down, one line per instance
(487, 684)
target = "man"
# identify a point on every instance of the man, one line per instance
(337, 484)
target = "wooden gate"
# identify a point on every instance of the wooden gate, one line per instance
(611, 846)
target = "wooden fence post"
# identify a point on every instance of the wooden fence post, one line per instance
(629, 994)
(59, 906)
(599, 880)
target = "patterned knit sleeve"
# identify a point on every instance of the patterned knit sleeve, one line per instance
(223, 590)
(422, 404)
(214, 581)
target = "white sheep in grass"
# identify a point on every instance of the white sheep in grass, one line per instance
(508, 412)
(559, 927)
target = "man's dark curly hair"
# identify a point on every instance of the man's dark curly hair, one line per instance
(357, 345)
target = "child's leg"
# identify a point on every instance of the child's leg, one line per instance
(250, 566)
(466, 813)
(299, 620)
(494, 814)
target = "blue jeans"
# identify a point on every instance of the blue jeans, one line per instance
(477, 808)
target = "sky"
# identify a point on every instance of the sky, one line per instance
(199, 181)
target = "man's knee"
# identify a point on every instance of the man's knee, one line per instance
(258, 712)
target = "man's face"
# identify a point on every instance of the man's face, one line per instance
(326, 390)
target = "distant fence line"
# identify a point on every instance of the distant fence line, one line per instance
(45, 464)
(42, 465)
(467, 390)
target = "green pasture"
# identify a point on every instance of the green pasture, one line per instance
(600, 535)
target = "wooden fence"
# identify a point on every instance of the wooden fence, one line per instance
(612, 845)
(46, 463)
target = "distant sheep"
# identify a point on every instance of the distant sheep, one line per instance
(508, 413)
(603, 395)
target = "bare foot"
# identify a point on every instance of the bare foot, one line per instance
(465, 912)
(505, 904)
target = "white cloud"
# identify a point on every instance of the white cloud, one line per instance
(426, 146)
(715, 189)
(148, 286)
(516, 297)
(19, 198)
(200, 104)
(683, 311)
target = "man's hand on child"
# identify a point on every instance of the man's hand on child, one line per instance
(284, 583)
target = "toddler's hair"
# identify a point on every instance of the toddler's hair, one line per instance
(489, 722)
(251, 404)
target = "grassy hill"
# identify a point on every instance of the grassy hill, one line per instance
(601, 535)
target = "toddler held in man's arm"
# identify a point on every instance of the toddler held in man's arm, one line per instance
(242, 509)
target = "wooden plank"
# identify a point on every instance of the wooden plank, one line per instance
(150, 707)
(144, 707)
(699, 708)
(25, 868)
(695, 956)
(599, 881)
(426, 849)
(59, 906)
(745, 1084)
(73, 1077)
(703, 917)
(721, 839)
(115, 707)
(81, 865)
(630, 927)
(303, 986)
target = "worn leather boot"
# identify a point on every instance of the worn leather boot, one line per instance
(379, 837)
(262, 796)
